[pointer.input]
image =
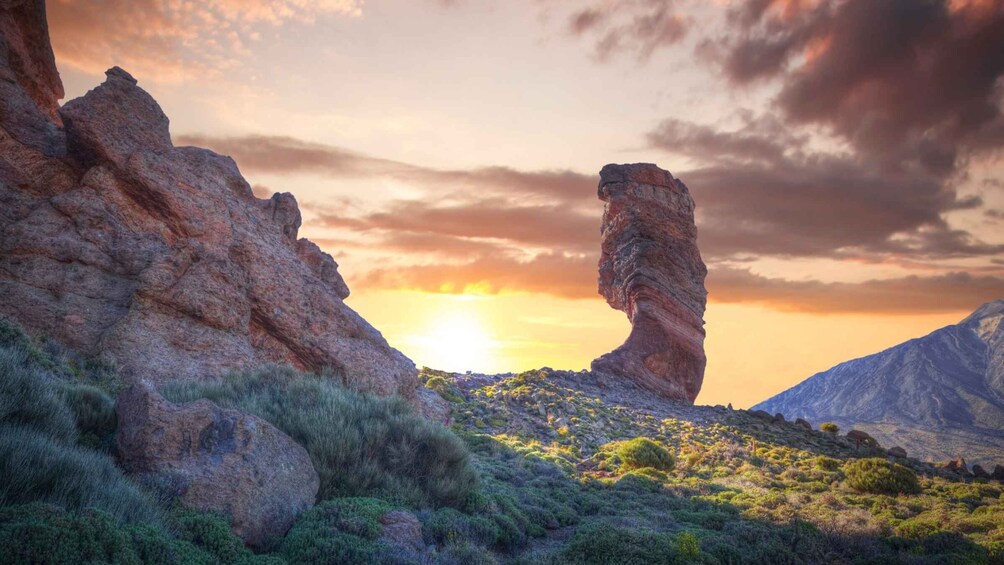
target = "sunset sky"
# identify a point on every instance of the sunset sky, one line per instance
(845, 158)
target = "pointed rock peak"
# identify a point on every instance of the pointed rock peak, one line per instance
(986, 320)
(119, 72)
(988, 310)
(115, 120)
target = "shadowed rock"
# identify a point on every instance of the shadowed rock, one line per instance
(651, 269)
(116, 242)
(227, 461)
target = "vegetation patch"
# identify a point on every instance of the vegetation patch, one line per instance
(359, 444)
(877, 475)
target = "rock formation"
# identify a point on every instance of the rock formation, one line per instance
(227, 462)
(116, 242)
(651, 269)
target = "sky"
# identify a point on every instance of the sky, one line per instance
(845, 157)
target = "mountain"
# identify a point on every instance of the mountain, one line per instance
(940, 396)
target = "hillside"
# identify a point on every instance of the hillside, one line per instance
(941, 395)
(540, 467)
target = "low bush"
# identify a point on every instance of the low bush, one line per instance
(344, 530)
(41, 533)
(360, 444)
(444, 388)
(36, 467)
(829, 427)
(29, 396)
(605, 543)
(641, 453)
(876, 475)
(93, 412)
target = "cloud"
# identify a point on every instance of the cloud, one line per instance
(916, 84)
(638, 27)
(761, 190)
(170, 40)
(957, 291)
(575, 278)
(287, 155)
(550, 273)
(551, 227)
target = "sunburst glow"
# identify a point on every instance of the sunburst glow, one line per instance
(454, 340)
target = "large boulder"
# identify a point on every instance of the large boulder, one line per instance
(651, 269)
(160, 258)
(226, 461)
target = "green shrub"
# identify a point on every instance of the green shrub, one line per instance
(13, 336)
(642, 452)
(829, 427)
(93, 410)
(36, 467)
(360, 444)
(38, 533)
(876, 475)
(29, 397)
(603, 543)
(444, 388)
(338, 531)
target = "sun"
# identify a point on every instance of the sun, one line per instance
(454, 340)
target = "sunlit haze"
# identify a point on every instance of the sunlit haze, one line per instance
(446, 154)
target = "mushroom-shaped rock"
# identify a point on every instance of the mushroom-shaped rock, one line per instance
(651, 269)
(897, 452)
(228, 462)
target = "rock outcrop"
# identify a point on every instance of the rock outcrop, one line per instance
(651, 269)
(226, 461)
(116, 242)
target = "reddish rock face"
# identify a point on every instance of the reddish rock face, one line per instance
(651, 269)
(116, 242)
(227, 462)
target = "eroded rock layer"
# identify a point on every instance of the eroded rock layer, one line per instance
(651, 269)
(116, 242)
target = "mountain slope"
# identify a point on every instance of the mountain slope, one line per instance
(941, 395)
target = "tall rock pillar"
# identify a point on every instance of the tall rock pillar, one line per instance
(651, 269)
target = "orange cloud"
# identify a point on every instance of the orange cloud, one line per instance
(170, 40)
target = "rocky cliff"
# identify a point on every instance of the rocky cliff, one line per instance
(116, 242)
(940, 396)
(651, 269)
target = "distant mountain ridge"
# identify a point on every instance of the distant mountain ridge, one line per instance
(941, 395)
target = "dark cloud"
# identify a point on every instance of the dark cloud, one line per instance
(906, 295)
(552, 227)
(763, 192)
(286, 155)
(913, 83)
(639, 27)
